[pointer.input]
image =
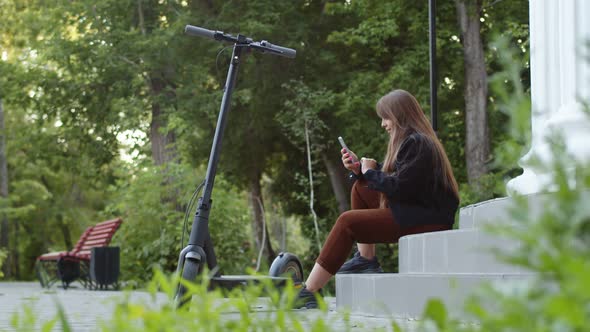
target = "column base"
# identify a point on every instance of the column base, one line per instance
(572, 123)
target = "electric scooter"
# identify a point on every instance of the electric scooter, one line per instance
(200, 246)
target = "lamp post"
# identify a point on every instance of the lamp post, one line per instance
(432, 52)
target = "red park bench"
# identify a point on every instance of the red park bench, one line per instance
(68, 266)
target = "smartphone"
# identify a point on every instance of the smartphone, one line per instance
(346, 148)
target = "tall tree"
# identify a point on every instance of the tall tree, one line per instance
(160, 80)
(4, 229)
(477, 141)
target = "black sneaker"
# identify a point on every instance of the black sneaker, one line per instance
(360, 264)
(306, 299)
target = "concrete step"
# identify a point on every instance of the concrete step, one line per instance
(497, 211)
(448, 265)
(456, 251)
(405, 295)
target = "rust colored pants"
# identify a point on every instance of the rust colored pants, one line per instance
(365, 223)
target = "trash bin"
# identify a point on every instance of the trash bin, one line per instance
(104, 267)
(68, 270)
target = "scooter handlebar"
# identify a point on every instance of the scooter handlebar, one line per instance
(263, 46)
(280, 50)
(200, 32)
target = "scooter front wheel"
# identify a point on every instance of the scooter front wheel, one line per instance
(190, 271)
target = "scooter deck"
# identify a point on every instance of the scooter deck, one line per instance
(232, 281)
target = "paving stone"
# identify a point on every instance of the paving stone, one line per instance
(85, 309)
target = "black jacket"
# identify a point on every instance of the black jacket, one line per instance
(415, 190)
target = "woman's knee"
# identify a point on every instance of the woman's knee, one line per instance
(345, 220)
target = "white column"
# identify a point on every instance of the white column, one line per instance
(560, 83)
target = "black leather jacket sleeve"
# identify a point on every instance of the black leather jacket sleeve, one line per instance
(353, 177)
(412, 173)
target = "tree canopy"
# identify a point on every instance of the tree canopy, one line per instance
(110, 110)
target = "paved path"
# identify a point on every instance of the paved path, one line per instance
(85, 308)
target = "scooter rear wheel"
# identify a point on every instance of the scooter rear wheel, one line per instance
(287, 265)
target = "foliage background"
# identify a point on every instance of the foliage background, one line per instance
(83, 83)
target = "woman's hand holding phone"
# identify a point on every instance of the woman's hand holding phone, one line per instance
(350, 161)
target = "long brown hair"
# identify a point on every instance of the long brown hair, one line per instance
(407, 116)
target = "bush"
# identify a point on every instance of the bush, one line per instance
(152, 203)
(3, 256)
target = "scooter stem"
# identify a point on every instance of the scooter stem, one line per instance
(200, 229)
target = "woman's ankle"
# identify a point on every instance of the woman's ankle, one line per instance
(311, 289)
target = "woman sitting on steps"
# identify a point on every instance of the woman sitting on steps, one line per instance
(414, 191)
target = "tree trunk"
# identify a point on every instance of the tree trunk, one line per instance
(163, 150)
(15, 261)
(256, 202)
(65, 231)
(337, 179)
(163, 141)
(283, 233)
(4, 229)
(160, 82)
(140, 17)
(311, 191)
(476, 123)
